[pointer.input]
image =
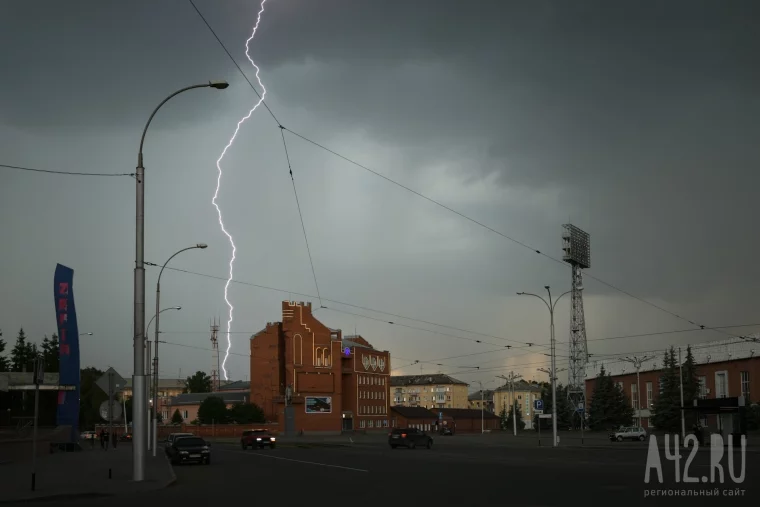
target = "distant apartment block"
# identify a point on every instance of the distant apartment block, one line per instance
(434, 391)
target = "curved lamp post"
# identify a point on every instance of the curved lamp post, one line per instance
(147, 370)
(138, 375)
(551, 305)
(156, 330)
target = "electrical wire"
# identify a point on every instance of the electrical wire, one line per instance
(65, 173)
(439, 204)
(300, 214)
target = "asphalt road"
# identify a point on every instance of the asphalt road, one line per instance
(452, 473)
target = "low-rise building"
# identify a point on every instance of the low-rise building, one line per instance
(524, 393)
(433, 391)
(725, 369)
(469, 420)
(188, 404)
(413, 417)
(481, 399)
(310, 379)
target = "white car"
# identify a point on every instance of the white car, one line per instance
(88, 435)
(629, 433)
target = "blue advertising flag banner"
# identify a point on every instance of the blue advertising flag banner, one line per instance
(68, 349)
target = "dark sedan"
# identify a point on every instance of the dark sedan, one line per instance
(257, 438)
(189, 450)
(410, 438)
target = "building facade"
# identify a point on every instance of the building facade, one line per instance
(524, 393)
(728, 371)
(308, 379)
(481, 399)
(188, 404)
(434, 391)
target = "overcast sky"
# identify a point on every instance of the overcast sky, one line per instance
(635, 121)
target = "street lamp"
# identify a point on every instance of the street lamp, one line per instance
(201, 246)
(551, 306)
(482, 405)
(80, 334)
(138, 375)
(147, 370)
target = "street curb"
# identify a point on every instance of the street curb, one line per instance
(54, 497)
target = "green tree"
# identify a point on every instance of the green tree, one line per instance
(213, 410)
(610, 408)
(666, 412)
(245, 413)
(690, 387)
(199, 383)
(518, 416)
(4, 363)
(22, 354)
(503, 417)
(177, 417)
(49, 349)
(565, 411)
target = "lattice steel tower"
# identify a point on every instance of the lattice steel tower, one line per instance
(576, 247)
(215, 379)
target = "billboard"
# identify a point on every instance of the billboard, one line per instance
(318, 404)
(68, 349)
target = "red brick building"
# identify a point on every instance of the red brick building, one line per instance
(726, 371)
(306, 377)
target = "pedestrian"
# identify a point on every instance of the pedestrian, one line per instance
(115, 439)
(103, 439)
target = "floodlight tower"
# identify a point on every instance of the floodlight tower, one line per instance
(215, 380)
(576, 247)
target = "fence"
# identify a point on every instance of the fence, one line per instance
(214, 430)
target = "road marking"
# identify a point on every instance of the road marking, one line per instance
(299, 461)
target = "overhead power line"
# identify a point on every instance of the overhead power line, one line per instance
(435, 202)
(534, 348)
(64, 173)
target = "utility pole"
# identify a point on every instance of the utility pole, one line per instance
(511, 379)
(553, 379)
(637, 361)
(683, 416)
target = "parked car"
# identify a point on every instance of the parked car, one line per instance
(88, 435)
(125, 437)
(190, 449)
(257, 438)
(170, 440)
(447, 431)
(410, 438)
(628, 433)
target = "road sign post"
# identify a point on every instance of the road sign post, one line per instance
(39, 376)
(111, 383)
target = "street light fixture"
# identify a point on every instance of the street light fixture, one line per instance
(551, 305)
(201, 246)
(85, 334)
(138, 375)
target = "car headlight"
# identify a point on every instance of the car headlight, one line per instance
(205, 448)
(272, 439)
(258, 439)
(183, 452)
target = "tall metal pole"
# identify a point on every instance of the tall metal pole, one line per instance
(38, 378)
(683, 415)
(147, 390)
(551, 305)
(156, 330)
(554, 373)
(138, 374)
(637, 362)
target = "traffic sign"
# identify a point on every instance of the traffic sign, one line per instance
(538, 405)
(118, 384)
(115, 410)
(545, 416)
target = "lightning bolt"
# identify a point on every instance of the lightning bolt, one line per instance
(219, 181)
